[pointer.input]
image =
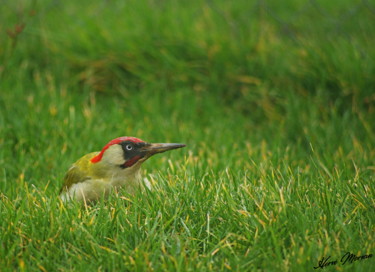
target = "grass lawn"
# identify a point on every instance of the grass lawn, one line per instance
(275, 101)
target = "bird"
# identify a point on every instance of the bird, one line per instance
(117, 165)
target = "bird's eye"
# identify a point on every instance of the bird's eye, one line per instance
(129, 147)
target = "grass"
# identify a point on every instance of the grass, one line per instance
(274, 101)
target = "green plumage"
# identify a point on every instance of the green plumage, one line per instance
(80, 171)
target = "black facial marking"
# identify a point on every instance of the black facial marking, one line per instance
(132, 150)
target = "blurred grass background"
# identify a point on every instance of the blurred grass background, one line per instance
(276, 97)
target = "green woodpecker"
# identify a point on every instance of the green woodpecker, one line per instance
(117, 165)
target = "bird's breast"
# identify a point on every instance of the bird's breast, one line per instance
(126, 177)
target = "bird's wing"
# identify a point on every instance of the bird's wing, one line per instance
(78, 172)
(73, 176)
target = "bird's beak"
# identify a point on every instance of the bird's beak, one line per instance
(153, 149)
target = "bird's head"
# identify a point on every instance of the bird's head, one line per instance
(126, 152)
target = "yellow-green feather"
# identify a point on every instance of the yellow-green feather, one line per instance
(80, 171)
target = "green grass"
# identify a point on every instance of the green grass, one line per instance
(275, 102)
